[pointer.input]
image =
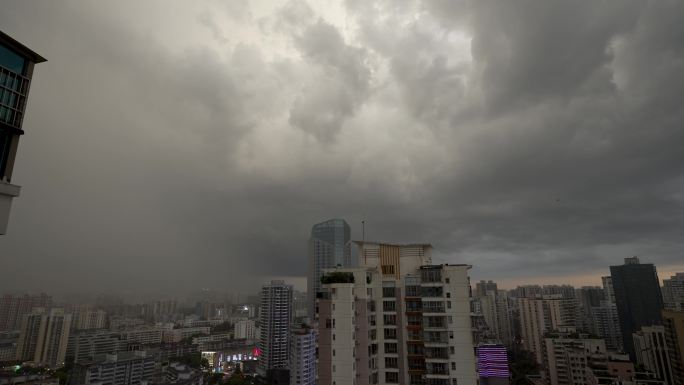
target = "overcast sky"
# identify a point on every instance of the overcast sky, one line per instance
(172, 145)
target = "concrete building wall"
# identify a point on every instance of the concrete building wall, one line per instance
(403, 332)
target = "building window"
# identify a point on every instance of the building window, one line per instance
(392, 377)
(389, 319)
(389, 306)
(453, 366)
(388, 291)
(12, 61)
(390, 347)
(391, 362)
(448, 295)
(391, 334)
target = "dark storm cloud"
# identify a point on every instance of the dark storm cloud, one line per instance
(170, 148)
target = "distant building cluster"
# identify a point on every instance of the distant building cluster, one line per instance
(375, 313)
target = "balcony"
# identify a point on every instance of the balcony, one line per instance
(433, 307)
(430, 337)
(7, 192)
(434, 322)
(437, 353)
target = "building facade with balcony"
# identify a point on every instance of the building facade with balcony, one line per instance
(16, 70)
(396, 319)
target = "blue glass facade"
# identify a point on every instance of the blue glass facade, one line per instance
(329, 247)
(12, 60)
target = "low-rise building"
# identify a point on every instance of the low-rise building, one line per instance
(124, 368)
(177, 335)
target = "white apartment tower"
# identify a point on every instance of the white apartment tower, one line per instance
(497, 314)
(275, 316)
(539, 316)
(567, 357)
(244, 329)
(396, 319)
(303, 356)
(85, 319)
(44, 337)
(606, 324)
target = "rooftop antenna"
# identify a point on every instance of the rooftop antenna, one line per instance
(363, 239)
(363, 230)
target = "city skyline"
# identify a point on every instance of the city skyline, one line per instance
(341, 192)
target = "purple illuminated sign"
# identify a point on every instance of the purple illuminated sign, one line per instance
(492, 361)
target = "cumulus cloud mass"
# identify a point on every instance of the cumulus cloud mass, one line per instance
(172, 145)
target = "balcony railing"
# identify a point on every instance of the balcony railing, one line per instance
(13, 91)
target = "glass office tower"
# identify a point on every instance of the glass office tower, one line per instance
(329, 246)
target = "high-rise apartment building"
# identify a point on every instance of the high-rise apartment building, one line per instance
(567, 356)
(674, 338)
(16, 70)
(84, 319)
(14, 307)
(329, 246)
(588, 297)
(44, 337)
(395, 319)
(651, 351)
(165, 310)
(527, 291)
(495, 308)
(673, 292)
(606, 324)
(564, 291)
(484, 287)
(275, 317)
(539, 316)
(303, 356)
(244, 329)
(608, 292)
(638, 298)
